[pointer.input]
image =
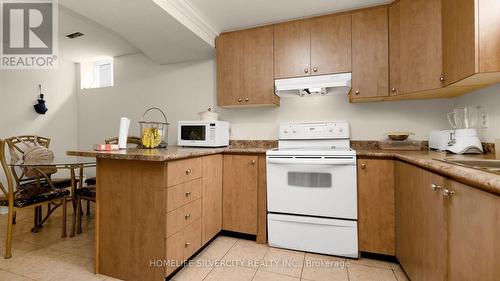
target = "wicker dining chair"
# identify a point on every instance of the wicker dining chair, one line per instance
(31, 195)
(21, 180)
(88, 192)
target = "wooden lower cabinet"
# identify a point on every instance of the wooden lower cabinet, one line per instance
(376, 218)
(473, 232)
(240, 193)
(421, 234)
(211, 197)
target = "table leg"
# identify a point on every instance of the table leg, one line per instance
(36, 220)
(73, 200)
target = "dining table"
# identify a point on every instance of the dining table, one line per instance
(73, 164)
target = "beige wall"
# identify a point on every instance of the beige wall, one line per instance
(489, 100)
(185, 89)
(18, 94)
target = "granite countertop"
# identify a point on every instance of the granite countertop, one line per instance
(485, 181)
(425, 159)
(178, 152)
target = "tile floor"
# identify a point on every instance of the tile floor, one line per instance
(46, 256)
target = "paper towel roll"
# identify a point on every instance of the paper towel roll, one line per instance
(123, 135)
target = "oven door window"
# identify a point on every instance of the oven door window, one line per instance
(193, 133)
(310, 179)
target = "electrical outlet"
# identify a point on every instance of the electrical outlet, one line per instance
(485, 120)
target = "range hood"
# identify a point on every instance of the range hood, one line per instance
(314, 85)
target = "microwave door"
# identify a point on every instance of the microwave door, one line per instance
(193, 133)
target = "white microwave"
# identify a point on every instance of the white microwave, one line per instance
(203, 133)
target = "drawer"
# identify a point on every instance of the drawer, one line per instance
(192, 235)
(183, 216)
(183, 171)
(183, 245)
(180, 195)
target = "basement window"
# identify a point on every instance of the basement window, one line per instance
(96, 74)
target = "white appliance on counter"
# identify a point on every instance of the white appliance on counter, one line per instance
(464, 137)
(312, 190)
(203, 133)
(439, 140)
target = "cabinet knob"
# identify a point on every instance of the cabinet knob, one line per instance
(441, 79)
(188, 193)
(435, 187)
(253, 162)
(187, 216)
(315, 69)
(188, 171)
(306, 70)
(247, 99)
(363, 166)
(357, 92)
(240, 100)
(448, 193)
(187, 244)
(393, 90)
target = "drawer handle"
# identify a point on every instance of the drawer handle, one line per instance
(435, 187)
(188, 193)
(188, 171)
(187, 244)
(187, 216)
(448, 193)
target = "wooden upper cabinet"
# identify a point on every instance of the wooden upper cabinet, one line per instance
(331, 44)
(415, 46)
(370, 61)
(292, 49)
(230, 69)
(258, 66)
(245, 68)
(376, 219)
(470, 42)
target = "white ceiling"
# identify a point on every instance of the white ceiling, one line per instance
(226, 15)
(148, 26)
(97, 42)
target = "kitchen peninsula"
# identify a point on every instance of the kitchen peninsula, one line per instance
(157, 207)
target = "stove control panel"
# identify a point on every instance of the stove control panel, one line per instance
(317, 130)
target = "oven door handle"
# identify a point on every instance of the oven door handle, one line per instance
(321, 161)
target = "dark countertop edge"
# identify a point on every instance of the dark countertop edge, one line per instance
(455, 172)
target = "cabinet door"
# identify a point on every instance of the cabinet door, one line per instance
(370, 61)
(331, 44)
(474, 228)
(292, 49)
(459, 40)
(240, 182)
(211, 214)
(376, 206)
(415, 46)
(230, 75)
(421, 232)
(258, 66)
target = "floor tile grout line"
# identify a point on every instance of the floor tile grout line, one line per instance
(213, 267)
(15, 273)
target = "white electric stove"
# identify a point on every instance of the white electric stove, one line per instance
(312, 189)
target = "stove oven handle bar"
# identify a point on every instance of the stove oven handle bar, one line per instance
(313, 161)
